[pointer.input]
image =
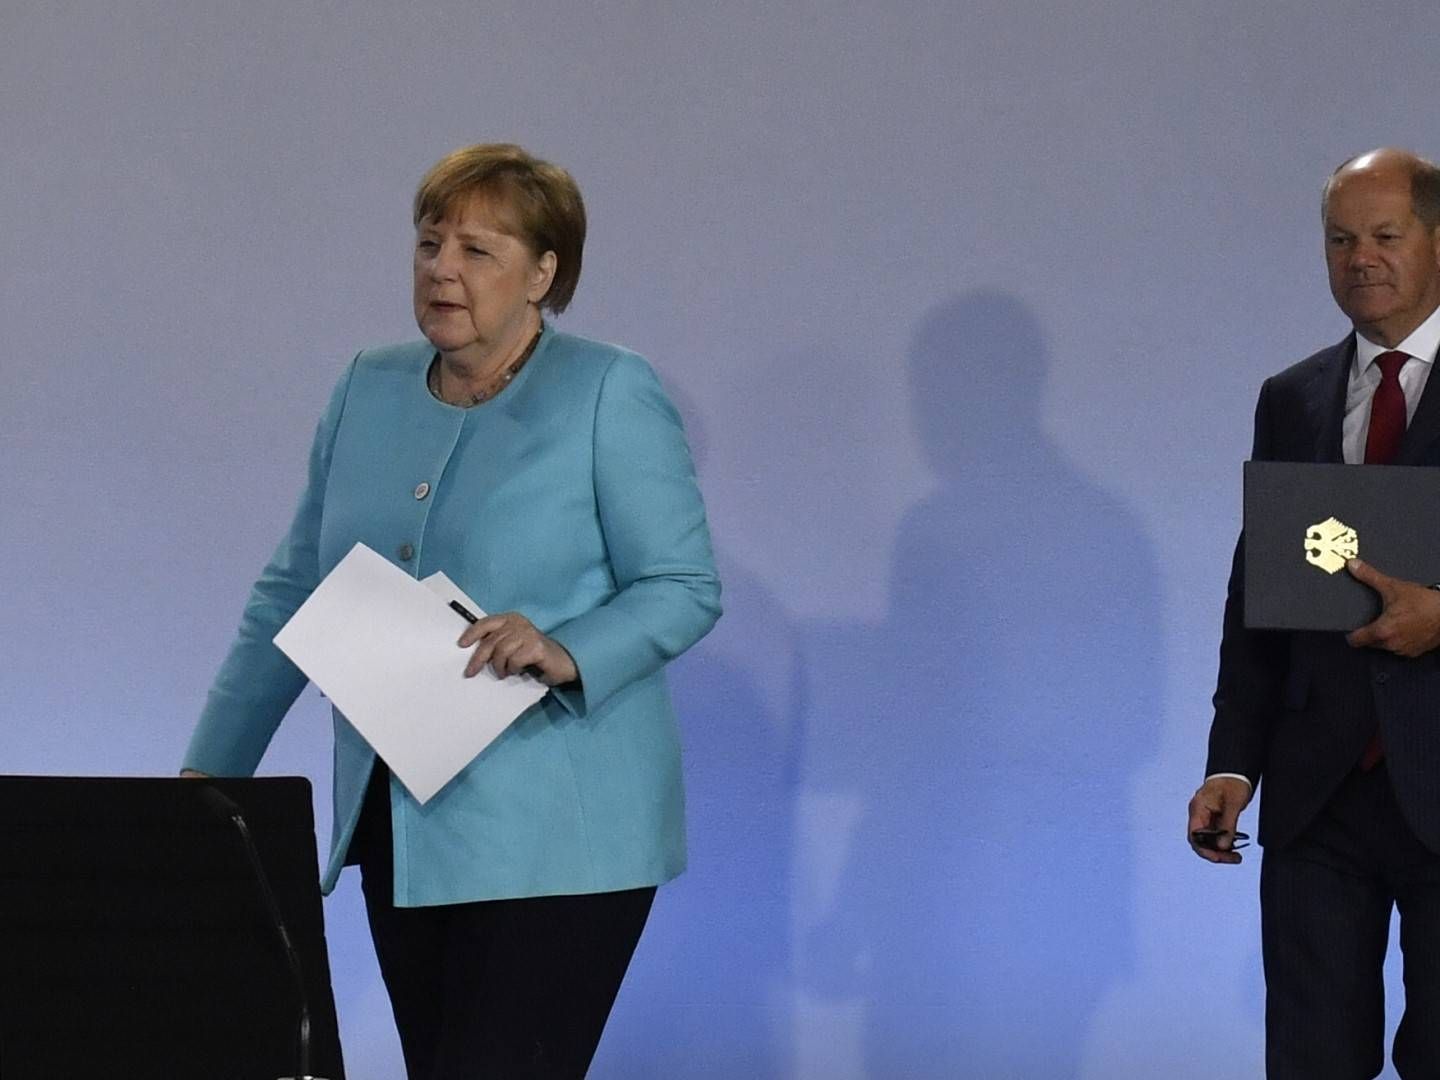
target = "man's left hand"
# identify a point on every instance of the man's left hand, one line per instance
(1409, 620)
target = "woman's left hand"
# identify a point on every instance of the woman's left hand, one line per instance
(510, 644)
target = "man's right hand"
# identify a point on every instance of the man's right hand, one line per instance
(1217, 805)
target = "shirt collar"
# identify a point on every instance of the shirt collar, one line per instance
(1422, 344)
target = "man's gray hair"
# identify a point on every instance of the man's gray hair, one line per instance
(1424, 189)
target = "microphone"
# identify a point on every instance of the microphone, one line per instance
(223, 806)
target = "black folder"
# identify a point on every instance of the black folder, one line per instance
(1302, 520)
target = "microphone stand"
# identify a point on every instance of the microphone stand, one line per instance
(226, 807)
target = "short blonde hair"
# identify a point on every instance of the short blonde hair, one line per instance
(539, 203)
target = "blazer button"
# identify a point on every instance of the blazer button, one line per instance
(422, 489)
(1382, 676)
(406, 552)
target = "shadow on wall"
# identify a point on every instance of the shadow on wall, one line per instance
(707, 995)
(988, 733)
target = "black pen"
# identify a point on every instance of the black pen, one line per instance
(464, 612)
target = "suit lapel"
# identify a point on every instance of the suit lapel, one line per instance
(1326, 402)
(1424, 427)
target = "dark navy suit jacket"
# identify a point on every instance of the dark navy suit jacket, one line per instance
(1296, 709)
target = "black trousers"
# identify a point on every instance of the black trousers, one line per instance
(1325, 903)
(504, 989)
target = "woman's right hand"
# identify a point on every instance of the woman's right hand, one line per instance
(194, 774)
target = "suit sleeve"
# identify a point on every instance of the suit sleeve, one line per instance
(653, 521)
(1252, 662)
(257, 683)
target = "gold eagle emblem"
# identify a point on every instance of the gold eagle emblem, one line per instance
(1330, 543)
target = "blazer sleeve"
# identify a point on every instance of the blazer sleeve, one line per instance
(257, 683)
(653, 522)
(1252, 662)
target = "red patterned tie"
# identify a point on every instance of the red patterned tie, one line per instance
(1387, 428)
(1387, 411)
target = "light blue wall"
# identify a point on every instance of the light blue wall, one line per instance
(966, 305)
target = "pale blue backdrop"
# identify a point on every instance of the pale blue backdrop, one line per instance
(966, 305)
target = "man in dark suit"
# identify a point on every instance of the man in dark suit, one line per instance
(1345, 729)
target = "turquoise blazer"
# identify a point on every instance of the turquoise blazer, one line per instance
(571, 498)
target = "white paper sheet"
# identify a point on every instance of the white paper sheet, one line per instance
(381, 646)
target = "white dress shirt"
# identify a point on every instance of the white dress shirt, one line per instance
(1420, 347)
